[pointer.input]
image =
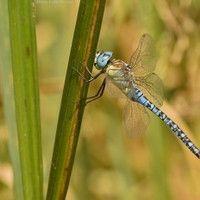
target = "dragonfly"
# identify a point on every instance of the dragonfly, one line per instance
(141, 87)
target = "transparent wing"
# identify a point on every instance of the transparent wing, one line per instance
(152, 87)
(114, 90)
(135, 118)
(143, 59)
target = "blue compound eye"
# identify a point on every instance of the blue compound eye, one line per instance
(102, 59)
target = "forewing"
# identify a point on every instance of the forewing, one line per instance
(152, 87)
(143, 59)
(135, 118)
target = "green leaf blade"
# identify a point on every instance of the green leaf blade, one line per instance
(83, 50)
(26, 91)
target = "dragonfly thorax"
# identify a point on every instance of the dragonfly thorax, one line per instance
(121, 75)
(102, 59)
(118, 69)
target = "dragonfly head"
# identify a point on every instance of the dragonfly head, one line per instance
(101, 59)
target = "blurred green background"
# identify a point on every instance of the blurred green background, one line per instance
(109, 165)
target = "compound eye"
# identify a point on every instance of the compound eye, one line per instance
(102, 59)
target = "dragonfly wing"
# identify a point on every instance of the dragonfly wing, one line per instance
(143, 59)
(152, 87)
(135, 118)
(114, 90)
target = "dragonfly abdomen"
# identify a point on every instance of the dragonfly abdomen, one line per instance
(140, 98)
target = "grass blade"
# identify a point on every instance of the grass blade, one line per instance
(25, 77)
(8, 99)
(83, 50)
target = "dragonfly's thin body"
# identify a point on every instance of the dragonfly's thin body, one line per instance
(140, 98)
(140, 86)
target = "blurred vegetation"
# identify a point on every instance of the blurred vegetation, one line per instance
(109, 164)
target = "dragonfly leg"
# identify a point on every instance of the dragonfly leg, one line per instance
(87, 70)
(93, 77)
(97, 95)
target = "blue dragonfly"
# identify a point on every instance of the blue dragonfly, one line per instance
(139, 85)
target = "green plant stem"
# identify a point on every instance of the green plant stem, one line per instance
(8, 99)
(83, 49)
(25, 78)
